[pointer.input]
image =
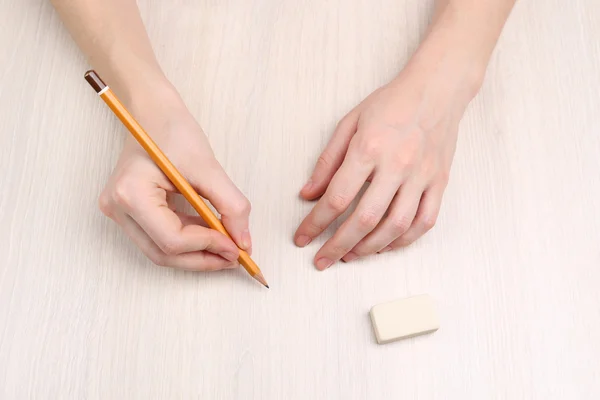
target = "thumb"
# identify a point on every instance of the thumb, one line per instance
(331, 158)
(213, 183)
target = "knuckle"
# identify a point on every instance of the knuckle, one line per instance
(363, 249)
(340, 249)
(159, 258)
(371, 148)
(344, 123)
(429, 168)
(368, 219)
(325, 160)
(210, 241)
(105, 204)
(402, 244)
(400, 224)
(404, 161)
(122, 192)
(171, 247)
(310, 228)
(241, 207)
(427, 222)
(338, 202)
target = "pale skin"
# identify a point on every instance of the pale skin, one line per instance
(401, 139)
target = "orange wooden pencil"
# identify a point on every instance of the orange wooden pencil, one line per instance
(168, 168)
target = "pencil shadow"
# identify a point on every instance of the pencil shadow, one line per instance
(103, 234)
(237, 275)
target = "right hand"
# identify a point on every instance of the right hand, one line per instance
(137, 196)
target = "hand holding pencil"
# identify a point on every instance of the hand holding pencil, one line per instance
(137, 194)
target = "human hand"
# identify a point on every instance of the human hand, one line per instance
(138, 195)
(402, 140)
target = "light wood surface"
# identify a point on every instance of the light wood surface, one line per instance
(514, 262)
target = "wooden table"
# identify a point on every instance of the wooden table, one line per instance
(513, 263)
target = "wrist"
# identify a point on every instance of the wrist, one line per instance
(455, 51)
(446, 71)
(142, 89)
(153, 99)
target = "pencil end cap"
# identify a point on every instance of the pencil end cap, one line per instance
(94, 80)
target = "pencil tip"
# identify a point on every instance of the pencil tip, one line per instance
(259, 277)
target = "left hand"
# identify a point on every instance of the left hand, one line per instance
(402, 140)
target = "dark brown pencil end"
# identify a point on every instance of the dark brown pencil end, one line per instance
(94, 80)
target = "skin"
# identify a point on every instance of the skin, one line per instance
(401, 140)
(138, 196)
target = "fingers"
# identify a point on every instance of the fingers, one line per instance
(425, 219)
(193, 261)
(400, 216)
(173, 237)
(147, 205)
(331, 158)
(214, 184)
(361, 222)
(342, 190)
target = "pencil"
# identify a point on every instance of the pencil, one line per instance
(168, 168)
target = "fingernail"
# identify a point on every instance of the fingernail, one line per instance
(350, 256)
(307, 186)
(303, 240)
(385, 249)
(229, 256)
(246, 240)
(324, 263)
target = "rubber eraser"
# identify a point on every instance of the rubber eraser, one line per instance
(404, 318)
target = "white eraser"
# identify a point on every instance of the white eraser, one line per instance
(404, 318)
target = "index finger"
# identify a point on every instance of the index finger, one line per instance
(344, 186)
(174, 237)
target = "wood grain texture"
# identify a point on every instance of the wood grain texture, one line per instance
(514, 262)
